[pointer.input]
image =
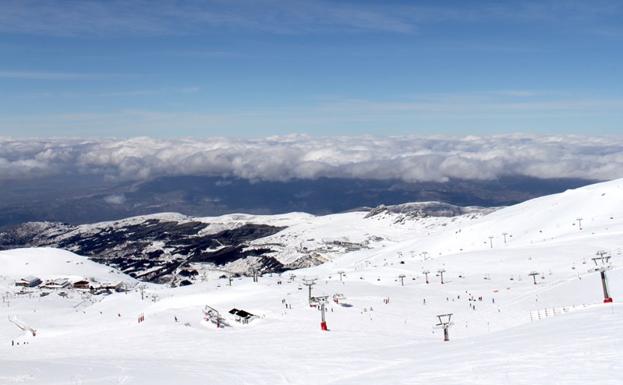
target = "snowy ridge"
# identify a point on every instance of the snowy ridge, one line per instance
(155, 247)
(426, 209)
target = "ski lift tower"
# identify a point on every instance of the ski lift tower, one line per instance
(341, 273)
(426, 273)
(441, 271)
(534, 275)
(323, 305)
(402, 277)
(602, 263)
(445, 323)
(309, 283)
(141, 288)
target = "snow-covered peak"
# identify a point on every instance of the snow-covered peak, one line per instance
(427, 209)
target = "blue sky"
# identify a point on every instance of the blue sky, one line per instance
(259, 68)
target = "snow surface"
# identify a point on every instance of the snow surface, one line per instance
(555, 332)
(49, 263)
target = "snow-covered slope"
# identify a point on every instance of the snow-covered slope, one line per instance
(159, 247)
(507, 330)
(54, 263)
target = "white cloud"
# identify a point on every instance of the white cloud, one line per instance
(407, 158)
(154, 18)
(116, 199)
(145, 18)
(50, 75)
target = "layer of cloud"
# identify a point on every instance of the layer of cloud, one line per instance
(406, 158)
(49, 75)
(146, 18)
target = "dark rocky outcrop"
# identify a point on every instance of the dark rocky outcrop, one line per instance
(151, 249)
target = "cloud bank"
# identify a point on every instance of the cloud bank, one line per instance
(407, 158)
(175, 17)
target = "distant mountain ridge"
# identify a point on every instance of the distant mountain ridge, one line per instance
(157, 247)
(87, 199)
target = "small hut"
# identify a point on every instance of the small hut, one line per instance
(29, 281)
(56, 284)
(244, 317)
(82, 284)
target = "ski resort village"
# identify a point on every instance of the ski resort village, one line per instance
(422, 293)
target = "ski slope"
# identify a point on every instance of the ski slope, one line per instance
(506, 329)
(54, 263)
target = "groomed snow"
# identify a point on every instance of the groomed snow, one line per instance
(555, 332)
(49, 263)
